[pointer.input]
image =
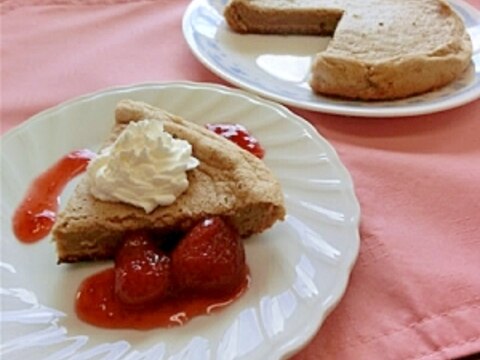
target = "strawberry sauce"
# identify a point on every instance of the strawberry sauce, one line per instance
(240, 136)
(149, 287)
(97, 304)
(36, 214)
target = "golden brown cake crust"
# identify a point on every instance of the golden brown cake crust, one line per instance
(381, 49)
(229, 182)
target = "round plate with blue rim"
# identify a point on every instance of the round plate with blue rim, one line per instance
(278, 67)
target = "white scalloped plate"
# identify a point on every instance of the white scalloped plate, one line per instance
(300, 268)
(278, 67)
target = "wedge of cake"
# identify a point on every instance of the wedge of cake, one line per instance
(228, 182)
(381, 49)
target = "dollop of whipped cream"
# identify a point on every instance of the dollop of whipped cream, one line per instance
(145, 167)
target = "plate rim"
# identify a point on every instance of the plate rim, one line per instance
(301, 339)
(334, 109)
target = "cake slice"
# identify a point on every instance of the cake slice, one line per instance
(228, 182)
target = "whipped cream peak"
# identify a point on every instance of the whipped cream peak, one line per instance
(145, 167)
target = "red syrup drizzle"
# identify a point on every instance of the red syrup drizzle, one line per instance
(240, 136)
(97, 304)
(36, 214)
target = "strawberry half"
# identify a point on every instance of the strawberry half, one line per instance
(210, 258)
(142, 271)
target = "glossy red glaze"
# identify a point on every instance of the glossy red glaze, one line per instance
(240, 136)
(36, 214)
(97, 305)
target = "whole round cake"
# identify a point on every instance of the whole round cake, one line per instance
(380, 50)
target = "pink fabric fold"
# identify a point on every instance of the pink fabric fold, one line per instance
(415, 289)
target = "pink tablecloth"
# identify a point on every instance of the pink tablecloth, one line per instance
(415, 290)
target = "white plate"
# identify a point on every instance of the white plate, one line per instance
(278, 67)
(300, 267)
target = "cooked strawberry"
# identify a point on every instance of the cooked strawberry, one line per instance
(142, 271)
(240, 136)
(210, 258)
